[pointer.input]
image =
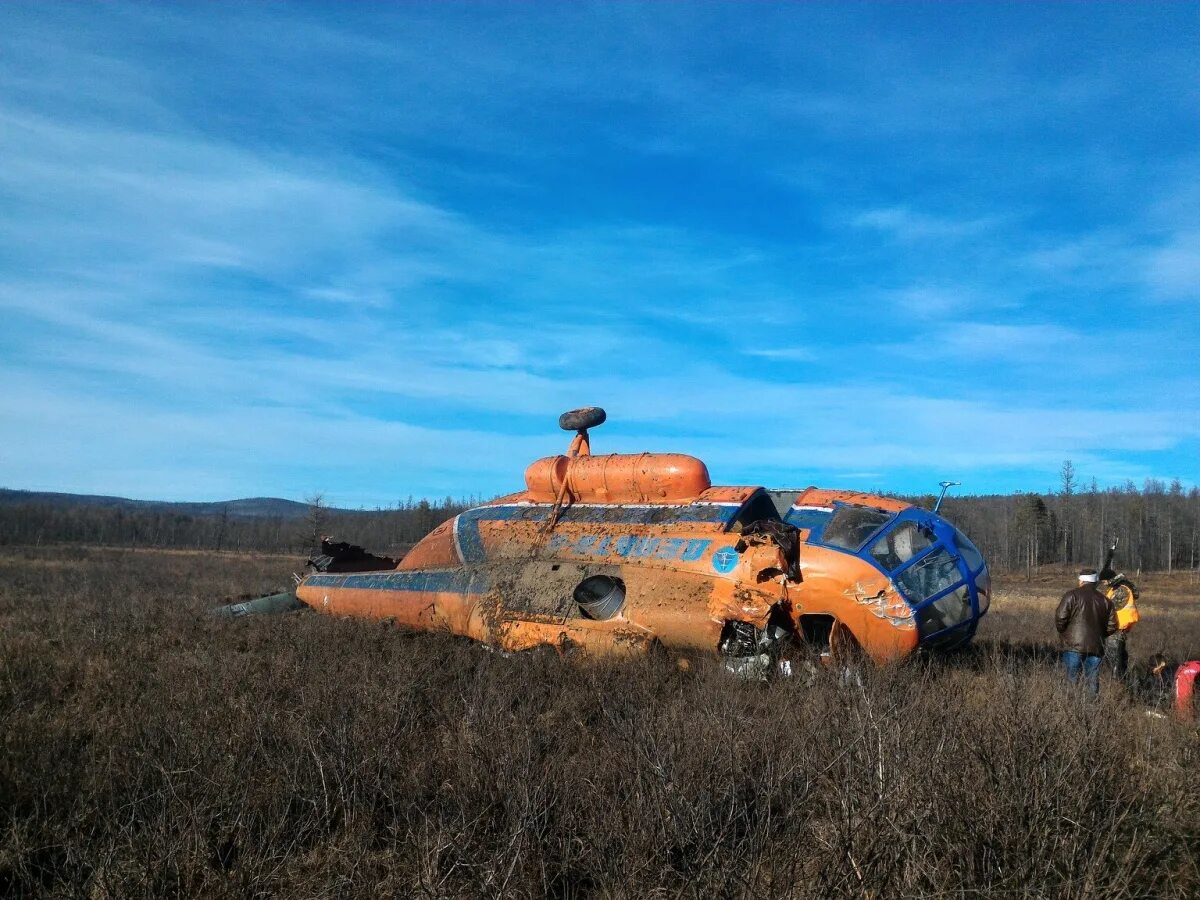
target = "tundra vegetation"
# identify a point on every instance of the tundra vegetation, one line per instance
(147, 750)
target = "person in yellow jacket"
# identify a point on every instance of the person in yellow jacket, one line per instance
(1124, 594)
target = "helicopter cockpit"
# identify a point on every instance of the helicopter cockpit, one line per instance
(934, 566)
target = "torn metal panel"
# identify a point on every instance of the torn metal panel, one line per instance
(339, 556)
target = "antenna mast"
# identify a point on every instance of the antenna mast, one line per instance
(946, 485)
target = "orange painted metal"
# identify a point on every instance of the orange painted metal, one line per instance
(618, 478)
(814, 496)
(435, 551)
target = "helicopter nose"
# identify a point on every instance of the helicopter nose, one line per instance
(957, 589)
(938, 571)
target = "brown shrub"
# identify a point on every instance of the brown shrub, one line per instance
(151, 751)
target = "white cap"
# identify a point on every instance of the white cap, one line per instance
(1090, 579)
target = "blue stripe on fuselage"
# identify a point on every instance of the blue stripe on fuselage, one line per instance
(470, 544)
(451, 581)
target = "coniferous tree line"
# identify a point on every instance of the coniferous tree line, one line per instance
(1157, 526)
(387, 531)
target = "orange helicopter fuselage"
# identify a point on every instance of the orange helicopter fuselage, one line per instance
(685, 555)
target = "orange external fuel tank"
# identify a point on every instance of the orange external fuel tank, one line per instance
(618, 478)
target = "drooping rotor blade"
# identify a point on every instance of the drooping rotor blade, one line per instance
(272, 604)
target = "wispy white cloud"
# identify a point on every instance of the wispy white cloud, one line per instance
(982, 341)
(783, 354)
(909, 225)
(1173, 271)
(934, 301)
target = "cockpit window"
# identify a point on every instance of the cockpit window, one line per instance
(760, 506)
(983, 587)
(951, 610)
(852, 526)
(930, 576)
(971, 556)
(901, 544)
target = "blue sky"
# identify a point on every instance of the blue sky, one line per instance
(374, 251)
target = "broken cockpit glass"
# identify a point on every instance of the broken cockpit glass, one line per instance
(929, 577)
(852, 526)
(902, 543)
(946, 612)
(934, 575)
(978, 569)
(969, 552)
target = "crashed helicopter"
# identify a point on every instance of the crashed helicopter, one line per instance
(628, 553)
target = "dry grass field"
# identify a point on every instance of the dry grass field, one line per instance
(149, 751)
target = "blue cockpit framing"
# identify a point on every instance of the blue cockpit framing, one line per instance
(942, 543)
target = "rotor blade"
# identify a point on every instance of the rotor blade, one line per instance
(271, 604)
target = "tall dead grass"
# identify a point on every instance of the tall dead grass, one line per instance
(147, 751)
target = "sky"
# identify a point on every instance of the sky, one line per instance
(374, 250)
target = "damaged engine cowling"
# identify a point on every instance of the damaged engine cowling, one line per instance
(340, 556)
(756, 653)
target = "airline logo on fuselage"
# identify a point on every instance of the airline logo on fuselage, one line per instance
(630, 546)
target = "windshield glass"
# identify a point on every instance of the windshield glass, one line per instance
(901, 544)
(951, 610)
(853, 526)
(931, 575)
(971, 556)
(983, 587)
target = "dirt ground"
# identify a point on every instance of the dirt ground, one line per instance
(147, 750)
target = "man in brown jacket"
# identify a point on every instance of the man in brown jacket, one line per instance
(1084, 618)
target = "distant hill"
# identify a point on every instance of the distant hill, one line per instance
(248, 508)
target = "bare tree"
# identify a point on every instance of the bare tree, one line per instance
(1068, 483)
(223, 527)
(316, 520)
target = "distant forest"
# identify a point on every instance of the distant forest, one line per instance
(1157, 525)
(220, 526)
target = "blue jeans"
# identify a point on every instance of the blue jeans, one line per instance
(1073, 662)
